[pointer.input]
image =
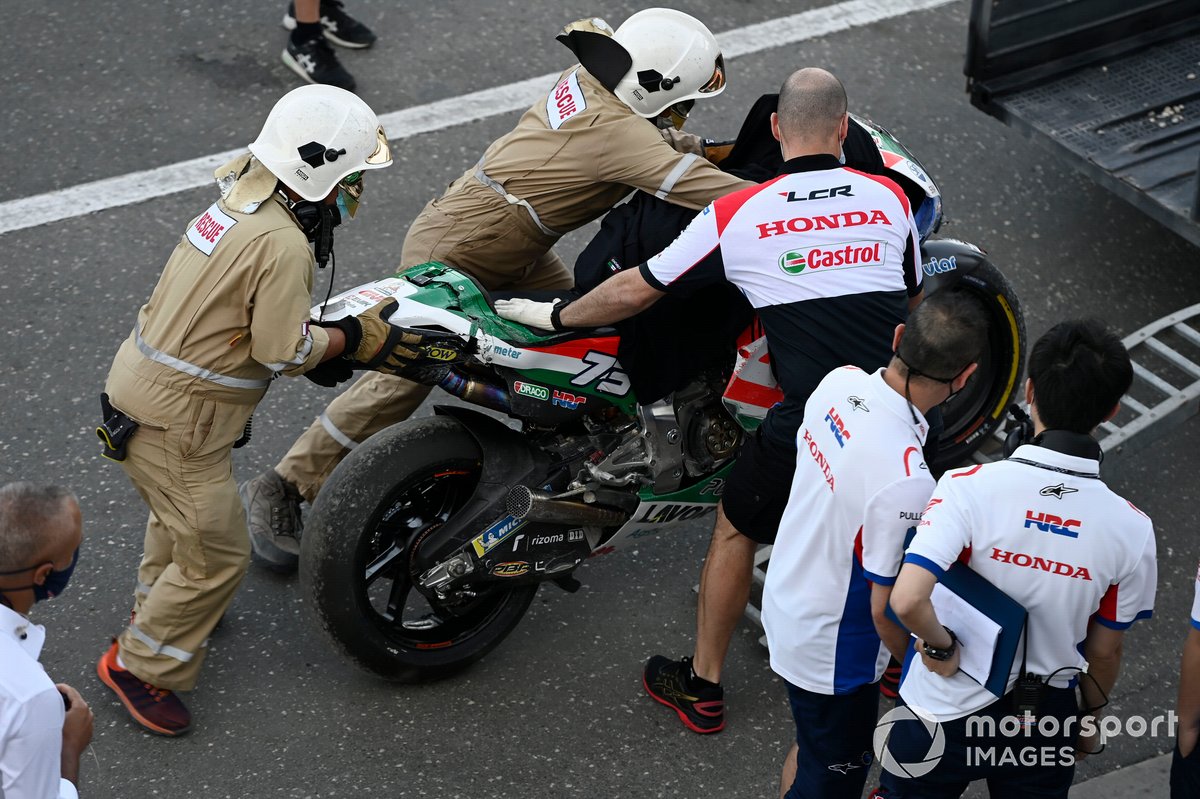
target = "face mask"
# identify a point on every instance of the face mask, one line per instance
(55, 584)
(912, 372)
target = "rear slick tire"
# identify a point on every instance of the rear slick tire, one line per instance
(360, 555)
(980, 408)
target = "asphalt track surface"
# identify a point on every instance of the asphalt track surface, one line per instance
(98, 90)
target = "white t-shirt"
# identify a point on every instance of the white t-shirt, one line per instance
(860, 484)
(31, 716)
(1054, 538)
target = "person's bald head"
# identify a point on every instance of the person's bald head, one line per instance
(40, 529)
(811, 117)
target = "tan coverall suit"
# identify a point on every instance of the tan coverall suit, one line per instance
(571, 158)
(230, 311)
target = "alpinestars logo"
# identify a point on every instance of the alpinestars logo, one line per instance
(858, 404)
(1057, 491)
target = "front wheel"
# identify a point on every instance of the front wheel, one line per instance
(971, 416)
(361, 555)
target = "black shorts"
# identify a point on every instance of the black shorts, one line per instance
(833, 741)
(1185, 773)
(758, 487)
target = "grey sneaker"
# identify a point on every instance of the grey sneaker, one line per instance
(273, 514)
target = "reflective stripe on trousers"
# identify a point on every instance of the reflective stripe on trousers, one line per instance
(334, 433)
(158, 647)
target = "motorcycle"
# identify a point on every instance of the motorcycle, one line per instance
(429, 541)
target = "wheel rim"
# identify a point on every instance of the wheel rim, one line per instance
(388, 562)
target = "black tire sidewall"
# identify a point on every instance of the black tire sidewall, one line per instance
(344, 511)
(975, 272)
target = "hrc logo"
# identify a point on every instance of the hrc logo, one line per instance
(837, 427)
(1049, 523)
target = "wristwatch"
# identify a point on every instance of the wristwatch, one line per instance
(934, 653)
(555, 321)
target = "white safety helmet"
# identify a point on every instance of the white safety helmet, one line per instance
(676, 60)
(317, 135)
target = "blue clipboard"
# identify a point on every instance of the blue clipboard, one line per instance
(996, 605)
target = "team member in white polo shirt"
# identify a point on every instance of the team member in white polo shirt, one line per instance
(829, 258)
(1185, 767)
(860, 484)
(1043, 528)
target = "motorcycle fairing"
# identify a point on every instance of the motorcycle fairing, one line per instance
(436, 297)
(658, 512)
(903, 164)
(752, 389)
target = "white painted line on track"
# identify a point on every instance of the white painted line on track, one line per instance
(115, 192)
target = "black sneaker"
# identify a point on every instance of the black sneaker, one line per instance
(340, 28)
(315, 62)
(668, 681)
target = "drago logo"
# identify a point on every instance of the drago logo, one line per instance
(530, 390)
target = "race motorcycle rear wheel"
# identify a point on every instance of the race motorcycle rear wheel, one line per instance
(971, 416)
(360, 556)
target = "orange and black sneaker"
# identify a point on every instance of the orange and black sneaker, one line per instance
(158, 710)
(889, 684)
(699, 703)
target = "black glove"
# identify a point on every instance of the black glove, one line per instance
(331, 373)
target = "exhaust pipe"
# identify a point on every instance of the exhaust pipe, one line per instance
(533, 505)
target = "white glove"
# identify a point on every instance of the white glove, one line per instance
(528, 312)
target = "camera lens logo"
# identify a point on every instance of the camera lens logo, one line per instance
(904, 716)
